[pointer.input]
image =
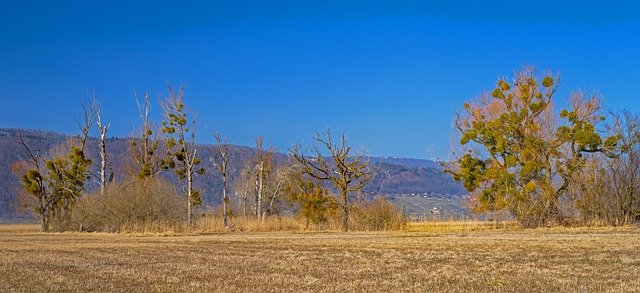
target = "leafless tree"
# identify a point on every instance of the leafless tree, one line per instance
(222, 161)
(103, 151)
(263, 164)
(608, 188)
(244, 185)
(276, 182)
(90, 110)
(346, 171)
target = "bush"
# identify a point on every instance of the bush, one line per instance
(377, 215)
(133, 206)
(316, 205)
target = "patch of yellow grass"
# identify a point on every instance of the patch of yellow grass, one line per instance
(19, 228)
(460, 226)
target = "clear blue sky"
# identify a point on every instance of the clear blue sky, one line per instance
(391, 74)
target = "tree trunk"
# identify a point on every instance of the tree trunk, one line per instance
(345, 203)
(189, 196)
(244, 204)
(224, 201)
(273, 199)
(256, 211)
(260, 188)
(103, 163)
(45, 222)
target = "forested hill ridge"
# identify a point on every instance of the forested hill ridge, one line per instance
(395, 175)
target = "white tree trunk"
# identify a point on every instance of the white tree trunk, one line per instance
(260, 187)
(224, 200)
(103, 163)
(189, 193)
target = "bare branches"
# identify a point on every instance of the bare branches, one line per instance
(263, 165)
(34, 157)
(145, 145)
(90, 110)
(346, 171)
(223, 151)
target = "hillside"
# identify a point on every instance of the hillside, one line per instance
(396, 175)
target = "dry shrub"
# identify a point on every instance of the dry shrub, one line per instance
(376, 215)
(131, 206)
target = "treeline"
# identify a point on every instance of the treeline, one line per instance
(319, 185)
(522, 156)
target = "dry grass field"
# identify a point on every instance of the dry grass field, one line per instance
(426, 257)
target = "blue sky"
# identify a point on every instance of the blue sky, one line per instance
(389, 73)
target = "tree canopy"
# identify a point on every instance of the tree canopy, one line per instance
(521, 156)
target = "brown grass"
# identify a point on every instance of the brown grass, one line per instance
(539, 260)
(460, 226)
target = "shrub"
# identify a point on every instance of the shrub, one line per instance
(316, 205)
(377, 215)
(135, 205)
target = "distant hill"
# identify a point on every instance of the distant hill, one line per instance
(396, 175)
(408, 162)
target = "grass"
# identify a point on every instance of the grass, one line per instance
(448, 257)
(460, 226)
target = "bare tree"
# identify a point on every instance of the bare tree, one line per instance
(624, 169)
(243, 185)
(103, 151)
(222, 162)
(347, 172)
(90, 109)
(263, 167)
(608, 189)
(276, 182)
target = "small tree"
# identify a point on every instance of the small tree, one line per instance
(314, 201)
(274, 189)
(608, 189)
(244, 185)
(221, 160)
(55, 183)
(263, 164)
(145, 148)
(36, 186)
(179, 126)
(261, 183)
(347, 172)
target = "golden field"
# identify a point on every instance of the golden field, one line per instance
(425, 257)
